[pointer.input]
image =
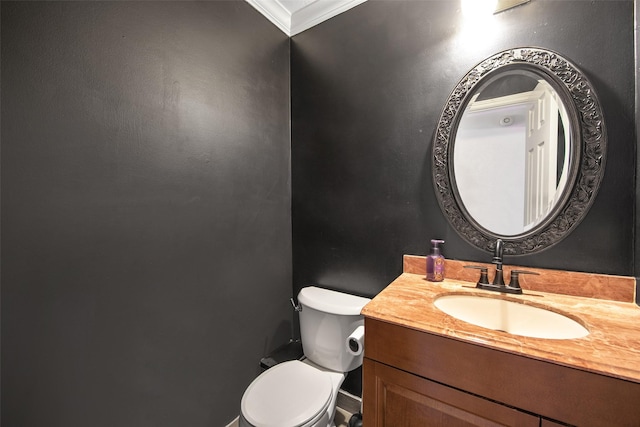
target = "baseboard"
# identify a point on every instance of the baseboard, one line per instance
(234, 423)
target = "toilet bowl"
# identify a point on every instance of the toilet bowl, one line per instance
(304, 393)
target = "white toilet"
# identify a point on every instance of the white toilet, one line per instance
(303, 393)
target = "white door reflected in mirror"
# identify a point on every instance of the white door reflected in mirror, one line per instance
(511, 156)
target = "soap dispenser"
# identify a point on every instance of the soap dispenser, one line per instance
(435, 262)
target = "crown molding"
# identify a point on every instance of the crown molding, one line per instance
(274, 12)
(318, 12)
(303, 18)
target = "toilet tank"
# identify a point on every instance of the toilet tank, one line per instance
(327, 319)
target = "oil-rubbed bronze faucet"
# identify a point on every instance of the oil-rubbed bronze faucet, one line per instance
(498, 284)
(498, 279)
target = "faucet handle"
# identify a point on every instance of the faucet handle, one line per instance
(515, 282)
(484, 279)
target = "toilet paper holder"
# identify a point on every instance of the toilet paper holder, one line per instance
(354, 346)
(355, 341)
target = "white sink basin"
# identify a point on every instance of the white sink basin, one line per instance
(512, 317)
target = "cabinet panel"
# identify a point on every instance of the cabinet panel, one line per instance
(406, 400)
(548, 423)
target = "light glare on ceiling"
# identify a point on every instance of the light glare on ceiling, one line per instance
(487, 7)
(475, 8)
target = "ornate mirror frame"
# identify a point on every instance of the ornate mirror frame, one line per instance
(589, 142)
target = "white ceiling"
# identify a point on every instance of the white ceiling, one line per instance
(295, 16)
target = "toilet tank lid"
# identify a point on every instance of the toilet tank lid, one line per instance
(332, 302)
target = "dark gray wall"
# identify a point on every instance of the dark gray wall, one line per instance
(146, 234)
(367, 90)
(637, 117)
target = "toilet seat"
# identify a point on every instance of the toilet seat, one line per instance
(291, 394)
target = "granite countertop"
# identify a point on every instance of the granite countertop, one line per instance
(612, 347)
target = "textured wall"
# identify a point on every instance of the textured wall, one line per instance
(367, 90)
(146, 243)
(637, 117)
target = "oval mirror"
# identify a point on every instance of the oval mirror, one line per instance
(519, 151)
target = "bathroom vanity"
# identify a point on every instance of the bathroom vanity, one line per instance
(564, 352)
(423, 367)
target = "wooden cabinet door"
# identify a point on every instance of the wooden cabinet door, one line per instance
(548, 423)
(394, 398)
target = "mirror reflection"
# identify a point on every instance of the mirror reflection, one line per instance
(511, 155)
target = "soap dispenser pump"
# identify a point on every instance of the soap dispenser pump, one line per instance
(435, 262)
